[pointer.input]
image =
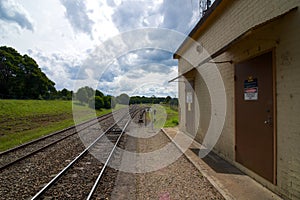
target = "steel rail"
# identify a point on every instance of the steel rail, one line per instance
(106, 163)
(102, 117)
(34, 152)
(62, 172)
(51, 143)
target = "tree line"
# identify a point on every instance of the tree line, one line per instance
(97, 100)
(153, 100)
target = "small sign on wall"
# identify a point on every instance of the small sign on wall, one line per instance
(189, 97)
(251, 89)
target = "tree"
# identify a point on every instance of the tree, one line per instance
(82, 95)
(22, 78)
(99, 93)
(168, 99)
(123, 99)
(64, 94)
(96, 103)
(107, 102)
(147, 100)
(174, 102)
(99, 103)
(90, 91)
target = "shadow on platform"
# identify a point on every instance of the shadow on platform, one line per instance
(218, 164)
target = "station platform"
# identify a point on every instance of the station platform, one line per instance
(226, 178)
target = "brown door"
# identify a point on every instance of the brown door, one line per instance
(254, 115)
(190, 111)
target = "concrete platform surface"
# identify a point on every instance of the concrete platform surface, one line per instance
(226, 178)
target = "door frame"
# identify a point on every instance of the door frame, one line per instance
(273, 50)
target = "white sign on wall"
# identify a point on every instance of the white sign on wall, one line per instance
(189, 97)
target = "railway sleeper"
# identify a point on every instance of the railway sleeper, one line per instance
(116, 130)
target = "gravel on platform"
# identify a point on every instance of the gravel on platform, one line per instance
(180, 180)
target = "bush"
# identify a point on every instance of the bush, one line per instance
(123, 99)
(175, 121)
(82, 95)
(109, 102)
(106, 100)
(99, 103)
(96, 103)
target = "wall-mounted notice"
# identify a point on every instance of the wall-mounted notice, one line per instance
(189, 97)
(250, 89)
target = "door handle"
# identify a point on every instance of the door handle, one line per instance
(268, 121)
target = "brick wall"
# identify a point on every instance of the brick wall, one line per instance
(282, 35)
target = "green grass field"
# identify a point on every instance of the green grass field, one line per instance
(24, 120)
(172, 117)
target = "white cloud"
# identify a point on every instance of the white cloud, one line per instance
(130, 15)
(13, 12)
(172, 14)
(132, 59)
(103, 28)
(77, 14)
(75, 42)
(178, 14)
(143, 84)
(61, 68)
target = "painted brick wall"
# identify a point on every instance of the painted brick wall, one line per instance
(288, 106)
(281, 35)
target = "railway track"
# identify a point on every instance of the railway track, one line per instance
(81, 177)
(19, 153)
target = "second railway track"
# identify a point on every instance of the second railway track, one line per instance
(23, 179)
(81, 177)
(14, 155)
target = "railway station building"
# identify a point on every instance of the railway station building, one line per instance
(239, 74)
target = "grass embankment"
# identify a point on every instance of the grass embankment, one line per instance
(25, 120)
(172, 117)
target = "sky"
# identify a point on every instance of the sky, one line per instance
(117, 46)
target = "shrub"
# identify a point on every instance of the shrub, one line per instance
(96, 103)
(175, 121)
